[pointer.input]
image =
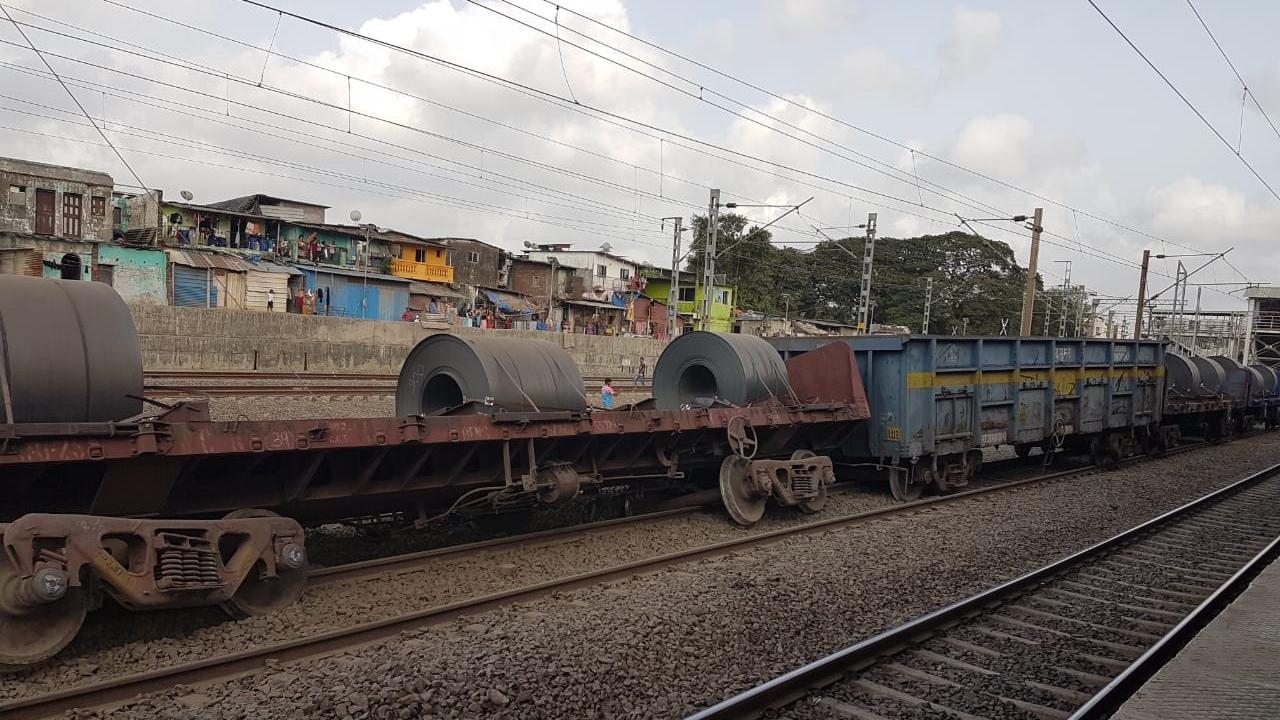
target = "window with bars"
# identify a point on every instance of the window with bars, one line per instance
(98, 206)
(473, 256)
(72, 206)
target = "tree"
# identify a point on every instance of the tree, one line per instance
(973, 277)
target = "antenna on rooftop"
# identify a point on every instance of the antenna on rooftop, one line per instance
(186, 195)
(355, 216)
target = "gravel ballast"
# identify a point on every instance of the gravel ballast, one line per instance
(665, 644)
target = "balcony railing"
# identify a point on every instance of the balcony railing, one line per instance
(421, 271)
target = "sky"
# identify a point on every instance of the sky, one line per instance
(472, 119)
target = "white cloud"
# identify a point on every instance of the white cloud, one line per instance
(798, 18)
(714, 39)
(870, 71)
(995, 144)
(972, 44)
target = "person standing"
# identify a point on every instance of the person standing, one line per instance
(271, 299)
(640, 372)
(607, 394)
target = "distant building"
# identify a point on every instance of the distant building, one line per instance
(476, 264)
(55, 201)
(600, 273)
(689, 302)
(546, 283)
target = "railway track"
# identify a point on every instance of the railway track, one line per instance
(224, 667)
(1070, 640)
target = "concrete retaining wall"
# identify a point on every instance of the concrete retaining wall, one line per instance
(221, 339)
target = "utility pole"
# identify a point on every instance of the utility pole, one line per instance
(709, 258)
(1111, 324)
(1029, 295)
(1142, 295)
(868, 259)
(1195, 325)
(928, 301)
(673, 297)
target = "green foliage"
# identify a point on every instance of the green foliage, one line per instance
(973, 277)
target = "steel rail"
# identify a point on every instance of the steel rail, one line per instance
(409, 562)
(796, 684)
(225, 667)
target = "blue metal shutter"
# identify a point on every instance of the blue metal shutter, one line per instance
(191, 287)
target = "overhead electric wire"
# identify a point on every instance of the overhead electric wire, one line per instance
(185, 109)
(578, 106)
(1232, 65)
(547, 94)
(844, 123)
(1185, 100)
(74, 99)
(892, 172)
(181, 63)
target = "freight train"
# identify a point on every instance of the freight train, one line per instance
(99, 499)
(937, 401)
(165, 508)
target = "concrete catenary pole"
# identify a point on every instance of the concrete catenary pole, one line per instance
(868, 261)
(709, 259)
(1029, 294)
(1142, 295)
(928, 302)
(673, 297)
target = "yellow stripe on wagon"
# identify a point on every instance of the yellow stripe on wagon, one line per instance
(1063, 377)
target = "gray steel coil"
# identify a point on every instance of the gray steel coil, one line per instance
(70, 352)
(1212, 375)
(1270, 378)
(1181, 376)
(701, 367)
(480, 375)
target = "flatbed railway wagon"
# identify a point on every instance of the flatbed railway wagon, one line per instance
(100, 501)
(937, 401)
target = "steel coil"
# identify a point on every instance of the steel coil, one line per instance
(449, 373)
(1270, 379)
(1182, 376)
(1213, 376)
(70, 352)
(700, 368)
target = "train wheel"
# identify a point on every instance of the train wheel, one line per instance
(31, 635)
(818, 502)
(260, 595)
(908, 485)
(745, 507)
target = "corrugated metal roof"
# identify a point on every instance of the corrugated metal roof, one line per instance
(198, 259)
(436, 290)
(594, 304)
(324, 270)
(272, 267)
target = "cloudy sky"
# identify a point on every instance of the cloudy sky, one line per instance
(472, 119)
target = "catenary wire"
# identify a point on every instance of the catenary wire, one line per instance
(1185, 100)
(869, 133)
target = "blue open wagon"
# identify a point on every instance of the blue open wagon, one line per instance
(937, 400)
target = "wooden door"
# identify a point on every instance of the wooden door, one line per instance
(44, 212)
